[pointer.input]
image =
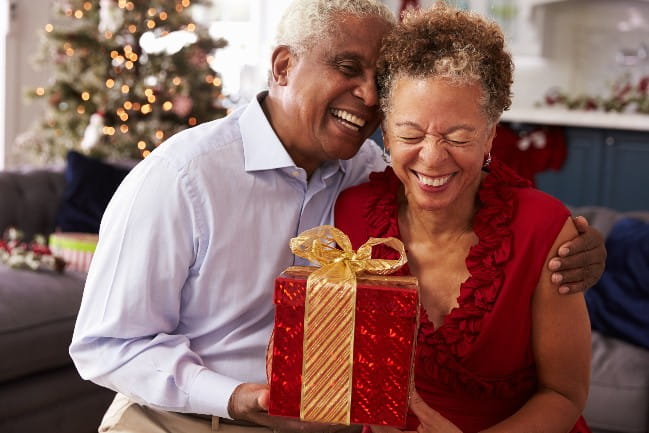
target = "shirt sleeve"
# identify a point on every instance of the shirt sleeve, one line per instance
(125, 336)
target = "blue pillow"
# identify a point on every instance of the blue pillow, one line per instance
(90, 184)
(618, 304)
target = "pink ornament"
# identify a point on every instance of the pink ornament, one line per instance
(182, 105)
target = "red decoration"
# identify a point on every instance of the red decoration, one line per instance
(384, 338)
(531, 152)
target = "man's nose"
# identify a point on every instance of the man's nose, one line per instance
(366, 91)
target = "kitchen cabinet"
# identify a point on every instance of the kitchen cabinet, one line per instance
(604, 167)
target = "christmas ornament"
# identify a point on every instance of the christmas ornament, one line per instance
(182, 105)
(93, 132)
(111, 17)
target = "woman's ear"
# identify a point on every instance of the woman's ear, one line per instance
(490, 139)
(281, 61)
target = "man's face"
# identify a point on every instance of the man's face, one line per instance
(329, 94)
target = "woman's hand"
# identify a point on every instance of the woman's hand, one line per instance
(430, 420)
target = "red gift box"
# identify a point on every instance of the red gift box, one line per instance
(384, 336)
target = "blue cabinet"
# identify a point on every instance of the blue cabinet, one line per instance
(604, 168)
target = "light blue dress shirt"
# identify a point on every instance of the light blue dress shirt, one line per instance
(178, 304)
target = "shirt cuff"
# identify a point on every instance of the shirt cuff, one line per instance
(211, 393)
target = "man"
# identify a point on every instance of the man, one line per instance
(177, 309)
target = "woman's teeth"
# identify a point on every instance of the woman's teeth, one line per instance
(350, 120)
(433, 181)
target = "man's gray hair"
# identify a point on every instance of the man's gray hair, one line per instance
(306, 22)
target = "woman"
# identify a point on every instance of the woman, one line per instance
(499, 350)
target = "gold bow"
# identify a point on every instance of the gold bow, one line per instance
(329, 317)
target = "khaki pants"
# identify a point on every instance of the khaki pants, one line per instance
(126, 416)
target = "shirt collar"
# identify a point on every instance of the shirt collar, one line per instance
(261, 146)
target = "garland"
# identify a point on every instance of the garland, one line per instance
(625, 97)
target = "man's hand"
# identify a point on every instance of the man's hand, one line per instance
(430, 420)
(580, 262)
(249, 402)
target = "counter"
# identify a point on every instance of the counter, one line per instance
(586, 119)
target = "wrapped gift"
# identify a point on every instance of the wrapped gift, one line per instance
(76, 249)
(344, 339)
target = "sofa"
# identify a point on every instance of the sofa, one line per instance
(618, 400)
(40, 389)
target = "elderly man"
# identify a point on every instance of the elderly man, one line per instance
(177, 309)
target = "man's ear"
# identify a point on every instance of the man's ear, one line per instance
(281, 62)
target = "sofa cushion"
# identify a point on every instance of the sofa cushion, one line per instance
(90, 184)
(37, 316)
(619, 386)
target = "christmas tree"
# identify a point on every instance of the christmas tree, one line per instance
(126, 74)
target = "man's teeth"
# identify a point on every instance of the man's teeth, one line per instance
(433, 181)
(349, 117)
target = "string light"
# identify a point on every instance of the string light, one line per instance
(123, 129)
(108, 35)
(146, 109)
(49, 28)
(159, 134)
(85, 96)
(191, 27)
(176, 81)
(167, 105)
(130, 6)
(40, 91)
(151, 12)
(146, 153)
(81, 109)
(186, 3)
(110, 83)
(163, 16)
(128, 105)
(192, 121)
(78, 14)
(132, 28)
(150, 24)
(125, 89)
(141, 145)
(87, 6)
(217, 82)
(121, 4)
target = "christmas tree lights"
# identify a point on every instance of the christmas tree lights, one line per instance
(125, 75)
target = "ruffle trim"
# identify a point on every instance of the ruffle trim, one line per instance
(440, 351)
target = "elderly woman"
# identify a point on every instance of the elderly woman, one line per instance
(499, 350)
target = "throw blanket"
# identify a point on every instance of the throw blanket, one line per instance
(618, 304)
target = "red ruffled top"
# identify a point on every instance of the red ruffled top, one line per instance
(477, 367)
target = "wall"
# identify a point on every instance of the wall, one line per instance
(22, 41)
(581, 47)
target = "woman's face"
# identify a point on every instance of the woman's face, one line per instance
(438, 136)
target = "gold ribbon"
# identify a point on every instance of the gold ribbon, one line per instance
(329, 316)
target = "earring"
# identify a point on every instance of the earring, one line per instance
(487, 161)
(386, 156)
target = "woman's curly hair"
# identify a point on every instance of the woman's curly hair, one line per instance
(443, 41)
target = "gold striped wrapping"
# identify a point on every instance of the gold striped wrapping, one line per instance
(329, 317)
